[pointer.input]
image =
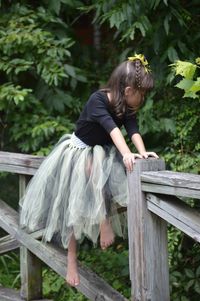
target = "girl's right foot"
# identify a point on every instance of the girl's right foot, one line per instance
(72, 277)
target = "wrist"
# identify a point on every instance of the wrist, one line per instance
(126, 153)
(142, 152)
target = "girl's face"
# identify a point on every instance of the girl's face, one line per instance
(134, 98)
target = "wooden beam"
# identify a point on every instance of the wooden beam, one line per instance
(19, 163)
(170, 190)
(172, 178)
(177, 213)
(9, 243)
(92, 286)
(30, 264)
(171, 183)
(148, 250)
(8, 294)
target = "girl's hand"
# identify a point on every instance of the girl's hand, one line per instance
(145, 155)
(129, 160)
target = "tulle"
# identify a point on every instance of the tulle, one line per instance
(73, 191)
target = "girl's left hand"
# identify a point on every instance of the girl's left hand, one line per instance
(145, 155)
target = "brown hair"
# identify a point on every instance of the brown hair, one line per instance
(126, 74)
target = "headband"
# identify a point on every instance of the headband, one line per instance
(142, 59)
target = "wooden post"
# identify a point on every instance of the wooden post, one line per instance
(148, 250)
(30, 265)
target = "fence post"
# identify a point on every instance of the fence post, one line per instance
(30, 265)
(148, 249)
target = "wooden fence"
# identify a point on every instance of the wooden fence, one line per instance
(154, 202)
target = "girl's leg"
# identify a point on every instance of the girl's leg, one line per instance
(106, 234)
(106, 231)
(72, 276)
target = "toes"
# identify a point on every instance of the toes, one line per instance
(73, 281)
(103, 246)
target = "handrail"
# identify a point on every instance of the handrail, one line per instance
(152, 204)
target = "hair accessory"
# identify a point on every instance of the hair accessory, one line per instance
(142, 59)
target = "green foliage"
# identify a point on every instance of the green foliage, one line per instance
(37, 128)
(161, 26)
(36, 75)
(147, 114)
(9, 270)
(174, 243)
(54, 287)
(183, 152)
(189, 83)
(31, 46)
(10, 93)
(184, 273)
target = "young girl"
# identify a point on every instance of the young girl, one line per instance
(81, 183)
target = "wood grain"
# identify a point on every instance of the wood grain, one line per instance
(148, 250)
(177, 213)
(171, 178)
(19, 163)
(30, 264)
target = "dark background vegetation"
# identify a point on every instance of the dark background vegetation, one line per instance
(53, 54)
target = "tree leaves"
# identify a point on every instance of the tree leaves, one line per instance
(189, 84)
(36, 76)
(186, 69)
(9, 92)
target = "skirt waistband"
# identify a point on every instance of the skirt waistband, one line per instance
(78, 142)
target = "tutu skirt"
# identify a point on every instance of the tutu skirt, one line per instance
(74, 190)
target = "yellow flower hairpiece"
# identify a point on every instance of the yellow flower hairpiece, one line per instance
(142, 59)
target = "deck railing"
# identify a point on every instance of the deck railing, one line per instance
(154, 202)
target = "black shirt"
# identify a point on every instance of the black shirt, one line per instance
(97, 121)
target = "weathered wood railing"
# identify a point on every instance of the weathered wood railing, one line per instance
(153, 202)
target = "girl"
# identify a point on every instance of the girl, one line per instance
(81, 183)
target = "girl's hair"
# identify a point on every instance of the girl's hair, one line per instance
(128, 73)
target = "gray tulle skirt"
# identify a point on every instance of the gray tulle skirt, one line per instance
(75, 188)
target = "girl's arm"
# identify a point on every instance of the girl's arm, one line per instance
(139, 144)
(120, 143)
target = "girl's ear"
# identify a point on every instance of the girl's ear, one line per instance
(128, 91)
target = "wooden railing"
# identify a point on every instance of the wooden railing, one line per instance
(153, 194)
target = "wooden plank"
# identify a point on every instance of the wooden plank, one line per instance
(92, 286)
(20, 159)
(148, 251)
(30, 265)
(8, 294)
(170, 190)
(9, 243)
(177, 213)
(17, 169)
(31, 275)
(175, 179)
(19, 163)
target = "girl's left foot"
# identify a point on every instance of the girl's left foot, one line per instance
(107, 236)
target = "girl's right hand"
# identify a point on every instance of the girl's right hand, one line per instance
(129, 160)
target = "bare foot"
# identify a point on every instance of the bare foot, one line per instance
(106, 234)
(72, 277)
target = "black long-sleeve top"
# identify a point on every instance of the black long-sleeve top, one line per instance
(97, 121)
